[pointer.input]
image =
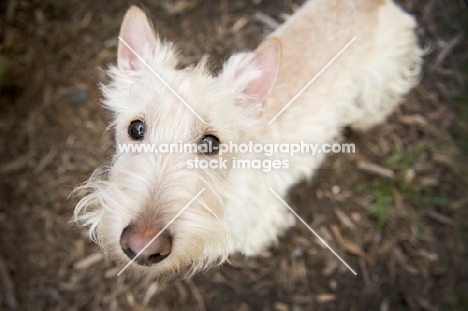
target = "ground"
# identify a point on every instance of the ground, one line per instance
(396, 210)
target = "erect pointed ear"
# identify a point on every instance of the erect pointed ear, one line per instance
(267, 58)
(253, 75)
(138, 34)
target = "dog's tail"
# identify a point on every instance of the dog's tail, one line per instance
(392, 71)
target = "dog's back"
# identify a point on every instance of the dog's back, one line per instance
(359, 89)
(377, 69)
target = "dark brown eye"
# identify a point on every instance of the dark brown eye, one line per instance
(209, 145)
(136, 130)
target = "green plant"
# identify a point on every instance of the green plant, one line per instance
(382, 191)
(399, 160)
(381, 199)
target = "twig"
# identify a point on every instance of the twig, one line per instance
(8, 287)
(447, 50)
(197, 295)
(375, 169)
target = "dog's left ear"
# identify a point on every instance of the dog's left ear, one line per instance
(137, 33)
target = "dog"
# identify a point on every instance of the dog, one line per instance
(201, 216)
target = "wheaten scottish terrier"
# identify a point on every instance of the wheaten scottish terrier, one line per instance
(371, 58)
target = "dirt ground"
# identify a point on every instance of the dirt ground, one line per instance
(396, 210)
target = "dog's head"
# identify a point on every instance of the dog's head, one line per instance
(143, 193)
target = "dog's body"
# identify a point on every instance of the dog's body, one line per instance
(142, 192)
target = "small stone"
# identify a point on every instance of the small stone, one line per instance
(336, 189)
(356, 217)
(78, 97)
(298, 252)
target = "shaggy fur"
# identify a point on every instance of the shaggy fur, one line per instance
(237, 212)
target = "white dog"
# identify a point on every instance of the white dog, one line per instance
(140, 193)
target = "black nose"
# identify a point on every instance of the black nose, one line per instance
(134, 239)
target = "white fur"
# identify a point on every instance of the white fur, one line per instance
(237, 212)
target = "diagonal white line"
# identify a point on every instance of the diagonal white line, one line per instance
(312, 230)
(164, 82)
(159, 233)
(311, 81)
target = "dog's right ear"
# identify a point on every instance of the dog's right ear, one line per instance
(267, 58)
(137, 33)
(254, 74)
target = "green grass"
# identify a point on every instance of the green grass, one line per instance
(382, 191)
(399, 160)
(381, 200)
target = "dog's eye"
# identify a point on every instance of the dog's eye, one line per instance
(209, 145)
(136, 130)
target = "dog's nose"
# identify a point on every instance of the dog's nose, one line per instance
(133, 240)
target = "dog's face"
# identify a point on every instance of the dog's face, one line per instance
(142, 193)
